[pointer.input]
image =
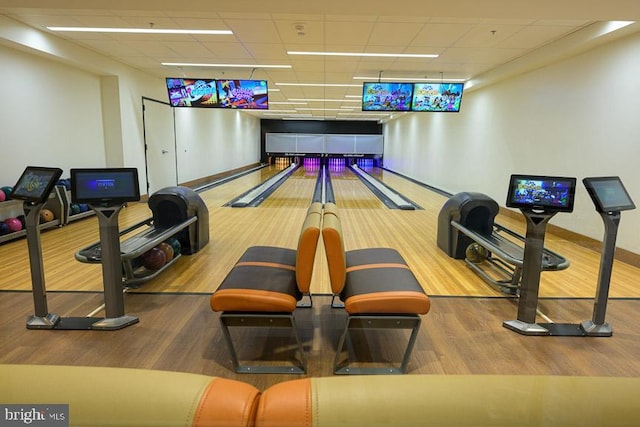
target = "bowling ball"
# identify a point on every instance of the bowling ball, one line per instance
(23, 220)
(175, 244)
(167, 249)
(4, 228)
(7, 190)
(3, 196)
(64, 183)
(46, 215)
(476, 253)
(83, 207)
(153, 259)
(13, 224)
(75, 209)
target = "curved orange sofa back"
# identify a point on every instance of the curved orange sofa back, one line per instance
(131, 397)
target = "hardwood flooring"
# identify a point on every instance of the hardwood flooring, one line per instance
(462, 334)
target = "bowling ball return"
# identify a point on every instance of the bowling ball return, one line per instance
(177, 213)
(468, 218)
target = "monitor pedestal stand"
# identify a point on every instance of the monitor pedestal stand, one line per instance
(111, 270)
(41, 319)
(531, 269)
(597, 327)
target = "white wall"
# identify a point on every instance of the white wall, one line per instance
(67, 107)
(579, 117)
(50, 115)
(211, 141)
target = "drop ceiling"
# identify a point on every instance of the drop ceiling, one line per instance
(471, 38)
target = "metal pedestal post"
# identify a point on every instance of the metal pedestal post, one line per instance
(111, 271)
(531, 269)
(41, 319)
(597, 327)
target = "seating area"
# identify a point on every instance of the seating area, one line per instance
(264, 288)
(100, 396)
(374, 286)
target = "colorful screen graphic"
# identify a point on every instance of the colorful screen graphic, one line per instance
(377, 96)
(192, 92)
(541, 192)
(35, 184)
(437, 97)
(243, 94)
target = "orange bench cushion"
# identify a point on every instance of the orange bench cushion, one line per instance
(263, 280)
(379, 281)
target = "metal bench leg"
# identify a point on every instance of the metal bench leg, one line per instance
(262, 320)
(377, 322)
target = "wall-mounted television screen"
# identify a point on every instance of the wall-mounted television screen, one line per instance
(243, 94)
(105, 186)
(35, 184)
(185, 92)
(437, 97)
(548, 193)
(608, 194)
(384, 96)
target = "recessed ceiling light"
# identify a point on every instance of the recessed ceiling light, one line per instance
(366, 54)
(138, 30)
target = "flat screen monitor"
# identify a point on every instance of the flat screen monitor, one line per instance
(608, 194)
(243, 94)
(107, 186)
(187, 92)
(385, 96)
(35, 184)
(438, 97)
(549, 193)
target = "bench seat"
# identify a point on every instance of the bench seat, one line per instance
(263, 280)
(378, 280)
(264, 288)
(377, 288)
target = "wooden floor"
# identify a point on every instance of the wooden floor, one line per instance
(461, 335)
(177, 330)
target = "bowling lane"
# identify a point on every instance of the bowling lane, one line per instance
(419, 194)
(350, 192)
(296, 191)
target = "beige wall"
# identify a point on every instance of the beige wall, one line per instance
(577, 117)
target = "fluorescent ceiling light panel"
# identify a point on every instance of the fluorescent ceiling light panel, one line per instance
(317, 84)
(321, 109)
(408, 79)
(305, 118)
(323, 100)
(286, 103)
(616, 25)
(368, 114)
(360, 54)
(138, 30)
(188, 64)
